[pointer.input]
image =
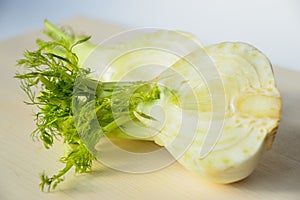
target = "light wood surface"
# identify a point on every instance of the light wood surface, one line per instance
(21, 159)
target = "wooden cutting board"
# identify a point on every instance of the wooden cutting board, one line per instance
(21, 160)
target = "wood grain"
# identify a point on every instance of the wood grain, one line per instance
(276, 177)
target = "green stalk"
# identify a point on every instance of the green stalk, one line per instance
(71, 105)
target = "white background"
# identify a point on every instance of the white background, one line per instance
(273, 26)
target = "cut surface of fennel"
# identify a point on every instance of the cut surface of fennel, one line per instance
(250, 120)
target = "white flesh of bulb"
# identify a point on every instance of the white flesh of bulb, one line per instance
(252, 114)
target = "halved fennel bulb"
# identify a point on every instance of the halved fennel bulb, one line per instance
(249, 114)
(228, 109)
(218, 106)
